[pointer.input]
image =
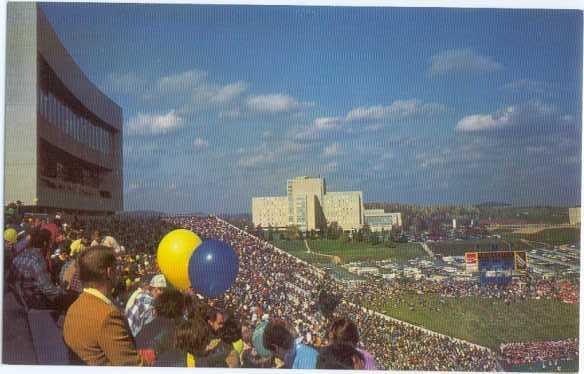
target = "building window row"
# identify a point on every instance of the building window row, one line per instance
(78, 127)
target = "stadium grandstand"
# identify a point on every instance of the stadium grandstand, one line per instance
(271, 285)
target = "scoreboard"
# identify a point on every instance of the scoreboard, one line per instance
(496, 267)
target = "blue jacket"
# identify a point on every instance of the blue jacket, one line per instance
(301, 357)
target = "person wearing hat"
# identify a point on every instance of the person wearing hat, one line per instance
(140, 306)
(108, 241)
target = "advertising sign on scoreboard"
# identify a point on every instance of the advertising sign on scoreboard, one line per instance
(496, 267)
(472, 262)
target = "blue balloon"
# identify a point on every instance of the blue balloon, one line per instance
(213, 268)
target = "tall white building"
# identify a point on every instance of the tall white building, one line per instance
(309, 206)
(345, 208)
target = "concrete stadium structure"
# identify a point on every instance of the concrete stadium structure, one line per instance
(63, 136)
(309, 206)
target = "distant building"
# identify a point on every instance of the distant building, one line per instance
(309, 206)
(63, 136)
(305, 199)
(378, 220)
(574, 215)
(270, 212)
(345, 208)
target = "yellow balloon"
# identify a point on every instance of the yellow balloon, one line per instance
(10, 235)
(173, 255)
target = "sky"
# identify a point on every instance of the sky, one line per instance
(409, 105)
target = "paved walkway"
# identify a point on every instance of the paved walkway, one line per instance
(315, 253)
(427, 249)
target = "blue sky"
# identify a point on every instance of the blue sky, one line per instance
(411, 105)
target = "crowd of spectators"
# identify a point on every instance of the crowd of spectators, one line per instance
(548, 351)
(273, 284)
(275, 297)
(376, 292)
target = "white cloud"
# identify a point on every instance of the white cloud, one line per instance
(267, 153)
(478, 122)
(434, 159)
(194, 94)
(256, 160)
(332, 150)
(462, 60)
(124, 83)
(229, 92)
(145, 124)
(399, 109)
(181, 81)
(275, 103)
(200, 143)
(325, 123)
(531, 113)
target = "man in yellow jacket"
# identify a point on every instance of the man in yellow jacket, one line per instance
(94, 328)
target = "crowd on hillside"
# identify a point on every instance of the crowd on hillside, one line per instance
(270, 317)
(376, 292)
(276, 284)
(549, 351)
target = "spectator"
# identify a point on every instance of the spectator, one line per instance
(58, 260)
(191, 338)
(31, 272)
(344, 331)
(69, 276)
(215, 318)
(221, 352)
(94, 328)
(157, 335)
(340, 356)
(140, 306)
(254, 354)
(278, 339)
(231, 334)
(96, 238)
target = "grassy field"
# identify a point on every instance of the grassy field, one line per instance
(350, 251)
(489, 322)
(551, 236)
(297, 248)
